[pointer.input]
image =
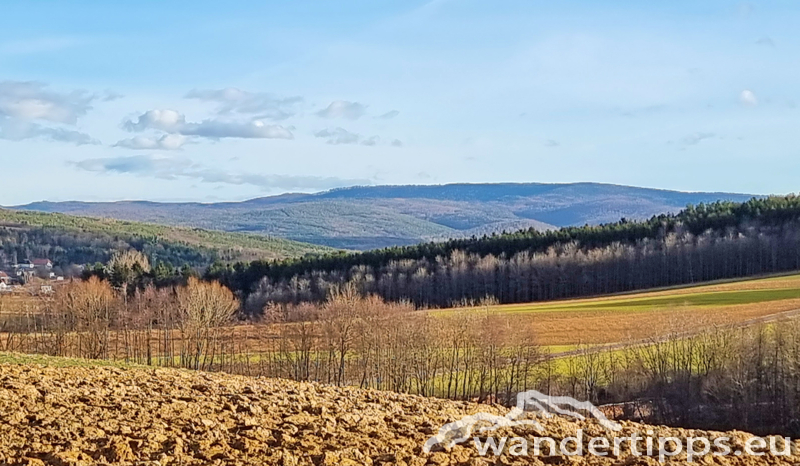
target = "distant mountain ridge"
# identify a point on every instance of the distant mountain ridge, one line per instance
(366, 217)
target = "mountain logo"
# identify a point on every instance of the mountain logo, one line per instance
(531, 401)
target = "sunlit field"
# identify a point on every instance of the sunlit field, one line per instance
(561, 325)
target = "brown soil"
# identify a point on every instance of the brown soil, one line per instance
(101, 415)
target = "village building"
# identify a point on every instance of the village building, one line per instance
(46, 264)
(24, 265)
(42, 264)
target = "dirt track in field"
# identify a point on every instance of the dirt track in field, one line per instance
(101, 415)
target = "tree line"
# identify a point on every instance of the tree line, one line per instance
(350, 339)
(704, 242)
(180, 326)
(721, 378)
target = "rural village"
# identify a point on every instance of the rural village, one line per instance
(33, 276)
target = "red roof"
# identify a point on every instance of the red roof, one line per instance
(41, 261)
(4, 275)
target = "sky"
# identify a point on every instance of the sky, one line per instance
(209, 101)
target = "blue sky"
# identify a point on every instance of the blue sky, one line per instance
(231, 100)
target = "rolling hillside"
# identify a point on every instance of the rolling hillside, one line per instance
(381, 216)
(69, 239)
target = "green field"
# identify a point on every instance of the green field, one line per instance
(696, 300)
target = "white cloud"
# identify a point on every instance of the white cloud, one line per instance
(388, 115)
(164, 120)
(171, 168)
(173, 122)
(551, 143)
(15, 130)
(255, 129)
(232, 100)
(748, 98)
(343, 109)
(165, 142)
(338, 136)
(397, 143)
(28, 100)
(24, 105)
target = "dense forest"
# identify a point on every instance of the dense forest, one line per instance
(704, 242)
(68, 240)
(66, 247)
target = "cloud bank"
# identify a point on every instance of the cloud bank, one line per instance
(29, 100)
(232, 100)
(173, 122)
(28, 110)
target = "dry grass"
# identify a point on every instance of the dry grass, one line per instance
(638, 316)
(602, 327)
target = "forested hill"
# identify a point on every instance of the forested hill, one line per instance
(370, 217)
(704, 242)
(67, 240)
